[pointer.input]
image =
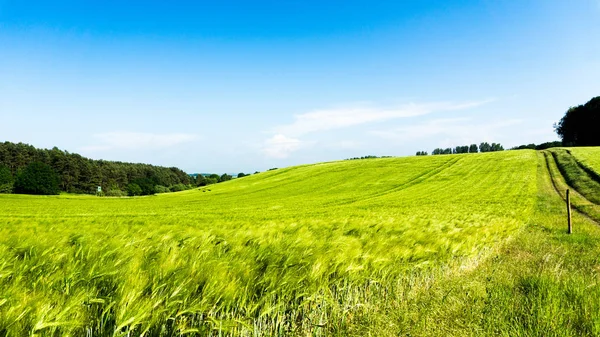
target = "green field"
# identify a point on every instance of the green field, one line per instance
(589, 156)
(440, 245)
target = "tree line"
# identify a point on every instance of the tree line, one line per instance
(580, 125)
(26, 169)
(473, 148)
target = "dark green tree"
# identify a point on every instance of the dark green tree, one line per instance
(579, 126)
(473, 148)
(37, 178)
(134, 189)
(6, 180)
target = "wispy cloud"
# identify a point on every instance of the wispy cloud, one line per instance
(280, 146)
(286, 139)
(137, 141)
(454, 129)
(329, 119)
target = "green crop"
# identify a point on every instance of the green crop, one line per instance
(326, 249)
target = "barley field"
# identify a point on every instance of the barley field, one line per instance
(363, 247)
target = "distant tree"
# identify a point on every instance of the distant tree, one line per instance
(178, 187)
(579, 126)
(37, 178)
(134, 189)
(473, 148)
(161, 189)
(548, 145)
(6, 180)
(146, 184)
(484, 147)
(496, 147)
(211, 180)
(241, 175)
(225, 177)
(461, 149)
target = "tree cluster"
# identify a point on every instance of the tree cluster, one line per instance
(368, 157)
(485, 147)
(542, 146)
(473, 148)
(579, 126)
(77, 174)
(422, 153)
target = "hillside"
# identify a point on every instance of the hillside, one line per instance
(380, 246)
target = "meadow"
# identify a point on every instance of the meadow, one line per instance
(440, 245)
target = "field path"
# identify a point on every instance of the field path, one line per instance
(579, 202)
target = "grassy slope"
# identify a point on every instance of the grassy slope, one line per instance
(576, 175)
(589, 156)
(320, 248)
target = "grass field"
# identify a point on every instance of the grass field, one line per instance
(588, 156)
(441, 245)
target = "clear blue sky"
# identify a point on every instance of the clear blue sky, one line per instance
(229, 86)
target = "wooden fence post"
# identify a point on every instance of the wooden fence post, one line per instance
(570, 230)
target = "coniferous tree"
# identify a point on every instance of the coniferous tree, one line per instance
(37, 178)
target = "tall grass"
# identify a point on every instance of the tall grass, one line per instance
(442, 245)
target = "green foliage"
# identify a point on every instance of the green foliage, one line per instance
(37, 178)
(542, 146)
(134, 189)
(579, 126)
(161, 189)
(225, 177)
(241, 175)
(178, 188)
(6, 180)
(82, 175)
(146, 185)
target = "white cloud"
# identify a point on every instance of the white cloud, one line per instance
(329, 119)
(456, 130)
(137, 141)
(280, 146)
(285, 141)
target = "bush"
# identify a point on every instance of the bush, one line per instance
(178, 187)
(37, 178)
(134, 189)
(161, 189)
(6, 188)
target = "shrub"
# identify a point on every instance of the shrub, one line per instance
(161, 189)
(134, 189)
(178, 187)
(37, 178)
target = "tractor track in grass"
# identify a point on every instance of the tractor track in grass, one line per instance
(414, 181)
(557, 179)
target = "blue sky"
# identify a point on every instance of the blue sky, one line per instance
(229, 86)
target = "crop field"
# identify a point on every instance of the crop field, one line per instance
(363, 247)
